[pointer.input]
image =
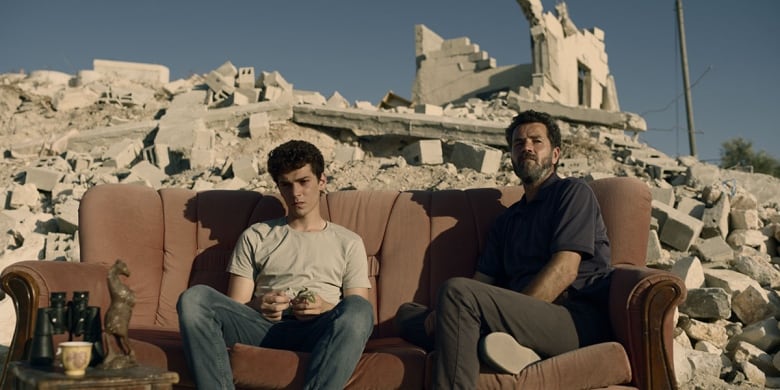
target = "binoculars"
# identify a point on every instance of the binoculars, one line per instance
(75, 317)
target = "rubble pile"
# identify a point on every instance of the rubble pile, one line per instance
(122, 122)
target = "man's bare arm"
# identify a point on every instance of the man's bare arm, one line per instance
(363, 292)
(559, 273)
(240, 288)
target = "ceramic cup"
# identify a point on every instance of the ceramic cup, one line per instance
(75, 357)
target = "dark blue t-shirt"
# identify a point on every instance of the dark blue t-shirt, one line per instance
(564, 216)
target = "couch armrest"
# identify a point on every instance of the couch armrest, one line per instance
(29, 284)
(642, 306)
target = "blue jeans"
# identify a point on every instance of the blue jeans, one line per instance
(211, 321)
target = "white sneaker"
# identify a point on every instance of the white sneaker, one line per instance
(504, 354)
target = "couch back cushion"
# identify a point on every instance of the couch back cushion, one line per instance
(120, 221)
(415, 240)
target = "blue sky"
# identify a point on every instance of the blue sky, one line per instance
(365, 48)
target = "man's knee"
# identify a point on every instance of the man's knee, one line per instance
(455, 287)
(357, 312)
(193, 298)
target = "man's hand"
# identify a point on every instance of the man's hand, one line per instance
(272, 304)
(309, 306)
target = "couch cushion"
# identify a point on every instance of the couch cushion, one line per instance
(386, 363)
(133, 215)
(595, 366)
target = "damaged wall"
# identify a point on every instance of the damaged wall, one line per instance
(569, 65)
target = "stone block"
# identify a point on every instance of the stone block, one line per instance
(743, 200)
(744, 219)
(67, 216)
(678, 230)
(56, 246)
(179, 133)
(763, 334)
(743, 352)
(663, 195)
(44, 179)
(219, 83)
(707, 304)
(700, 175)
(751, 305)
(731, 281)
(753, 374)
(275, 79)
(713, 333)
(481, 158)
(277, 94)
(714, 250)
(158, 154)
(657, 256)
(573, 165)
(227, 70)
(133, 71)
(25, 195)
(347, 153)
(716, 218)
(743, 237)
(244, 168)
(689, 269)
(122, 154)
(758, 266)
(246, 77)
(153, 175)
(424, 152)
(79, 162)
(240, 99)
(259, 126)
(429, 109)
(691, 206)
(201, 158)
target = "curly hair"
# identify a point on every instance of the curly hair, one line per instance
(293, 155)
(531, 116)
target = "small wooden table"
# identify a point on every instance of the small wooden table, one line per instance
(27, 377)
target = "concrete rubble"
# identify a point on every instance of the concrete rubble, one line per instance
(126, 122)
(708, 227)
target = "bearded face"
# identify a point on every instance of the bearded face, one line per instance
(533, 156)
(532, 168)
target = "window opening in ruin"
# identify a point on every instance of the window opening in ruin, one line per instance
(583, 85)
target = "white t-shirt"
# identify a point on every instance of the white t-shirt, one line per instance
(278, 257)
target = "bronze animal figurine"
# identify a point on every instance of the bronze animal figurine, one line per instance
(119, 353)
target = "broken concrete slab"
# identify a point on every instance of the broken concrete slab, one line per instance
(87, 141)
(136, 71)
(375, 123)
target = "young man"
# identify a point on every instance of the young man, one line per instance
(298, 283)
(541, 284)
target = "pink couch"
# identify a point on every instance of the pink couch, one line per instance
(175, 238)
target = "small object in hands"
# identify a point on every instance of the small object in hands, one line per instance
(306, 295)
(75, 357)
(119, 354)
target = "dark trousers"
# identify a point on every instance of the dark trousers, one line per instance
(468, 309)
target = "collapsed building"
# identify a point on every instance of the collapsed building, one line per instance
(568, 76)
